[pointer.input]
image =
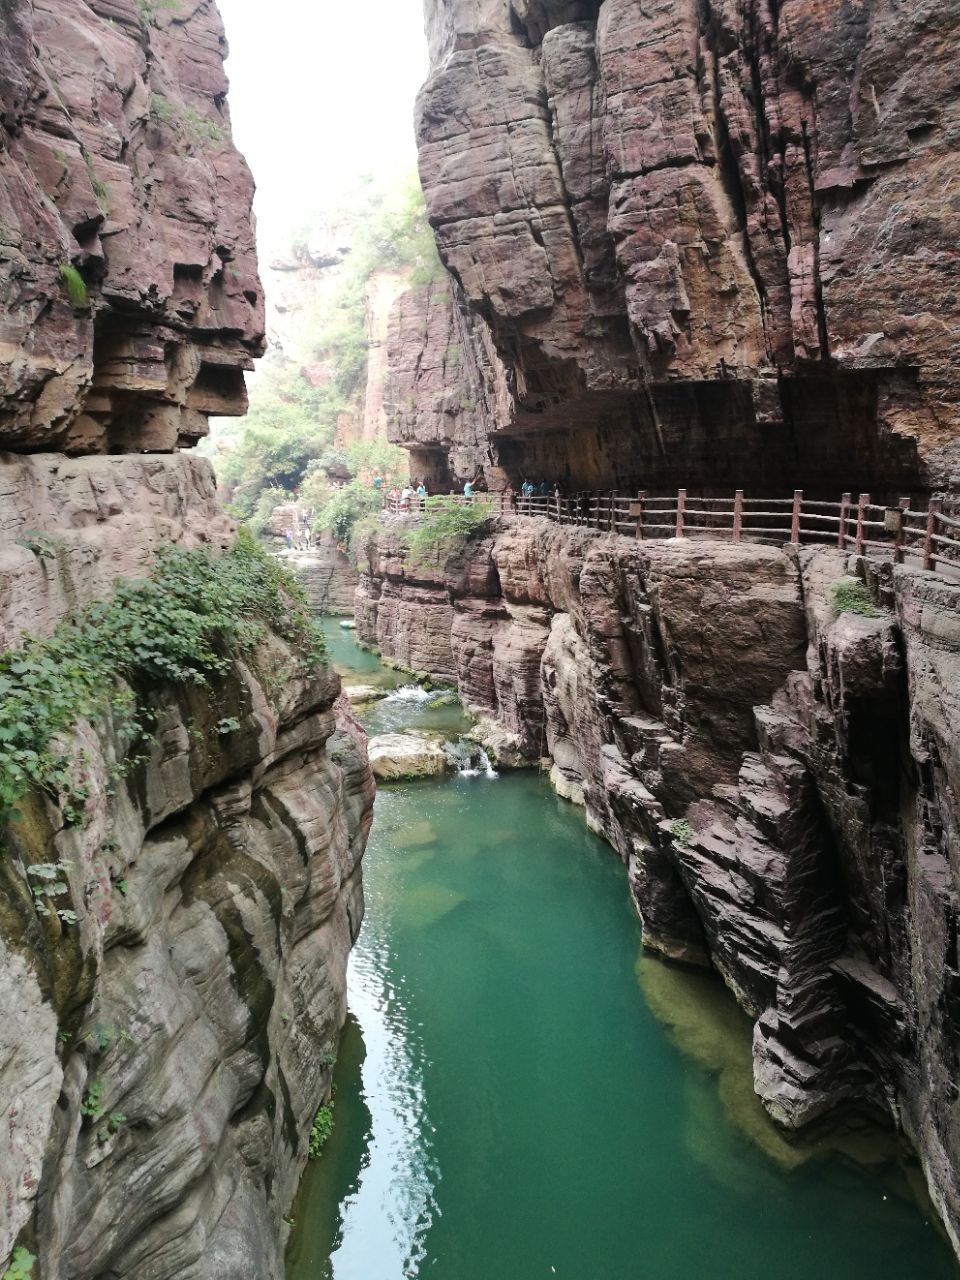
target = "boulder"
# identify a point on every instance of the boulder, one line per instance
(397, 756)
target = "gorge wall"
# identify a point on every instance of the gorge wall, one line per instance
(779, 779)
(685, 242)
(167, 1034)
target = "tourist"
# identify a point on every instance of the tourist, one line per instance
(288, 534)
(393, 498)
(422, 495)
(527, 490)
(405, 497)
(378, 482)
(468, 490)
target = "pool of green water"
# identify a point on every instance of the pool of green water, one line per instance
(521, 1094)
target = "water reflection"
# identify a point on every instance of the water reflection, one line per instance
(384, 1222)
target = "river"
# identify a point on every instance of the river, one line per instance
(521, 1093)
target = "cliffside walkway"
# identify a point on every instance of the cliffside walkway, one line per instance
(900, 533)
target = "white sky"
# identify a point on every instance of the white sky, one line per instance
(321, 91)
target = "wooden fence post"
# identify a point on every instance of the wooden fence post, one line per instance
(844, 514)
(681, 506)
(901, 537)
(640, 497)
(795, 519)
(929, 550)
(612, 514)
(862, 505)
(737, 515)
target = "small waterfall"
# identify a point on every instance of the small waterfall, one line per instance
(469, 759)
(409, 693)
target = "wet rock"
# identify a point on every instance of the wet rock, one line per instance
(397, 756)
(197, 996)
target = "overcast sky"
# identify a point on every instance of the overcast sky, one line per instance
(321, 92)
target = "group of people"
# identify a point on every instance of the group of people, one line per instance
(415, 492)
(404, 498)
(520, 499)
(299, 539)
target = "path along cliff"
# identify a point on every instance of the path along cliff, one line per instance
(180, 888)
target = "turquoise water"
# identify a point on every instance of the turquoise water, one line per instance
(509, 1106)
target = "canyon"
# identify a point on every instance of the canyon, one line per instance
(708, 246)
(778, 776)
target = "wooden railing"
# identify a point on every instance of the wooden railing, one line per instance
(898, 532)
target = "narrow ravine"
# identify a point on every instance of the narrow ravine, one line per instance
(509, 1105)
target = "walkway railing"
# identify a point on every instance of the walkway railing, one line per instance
(900, 532)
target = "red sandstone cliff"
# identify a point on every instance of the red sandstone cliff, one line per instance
(196, 985)
(116, 163)
(709, 244)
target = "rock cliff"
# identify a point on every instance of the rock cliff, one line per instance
(128, 277)
(692, 237)
(778, 777)
(164, 1055)
(167, 1028)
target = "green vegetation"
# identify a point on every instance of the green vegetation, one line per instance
(321, 1129)
(21, 1265)
(100, 189)
(74, 284)
(195, 129)
(115, 1122)
(49, 882)
(851, 596)
(681, 831)
(444, 527)
(303, 390)
(347, 506)
(92, 1105)
(162, 109)
(148, 9)
(201, 130)
(182, 624)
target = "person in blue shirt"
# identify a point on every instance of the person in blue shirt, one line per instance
(468, 489)
(527, 490)
(378, 482)
(422, 495)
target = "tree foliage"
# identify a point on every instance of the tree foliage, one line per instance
(298, 395)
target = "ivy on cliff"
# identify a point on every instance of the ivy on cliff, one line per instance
(183, 624)
(443, 528)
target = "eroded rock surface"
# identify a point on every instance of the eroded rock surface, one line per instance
(195, 1005)
(779, 779)
(691, 239)
(128, 278)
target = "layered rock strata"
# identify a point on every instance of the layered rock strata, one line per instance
(692, 238)
(163, 1057)
(327, 574)
(164, 1047)
(778, 778)
(166, 1037)
(129, 292)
